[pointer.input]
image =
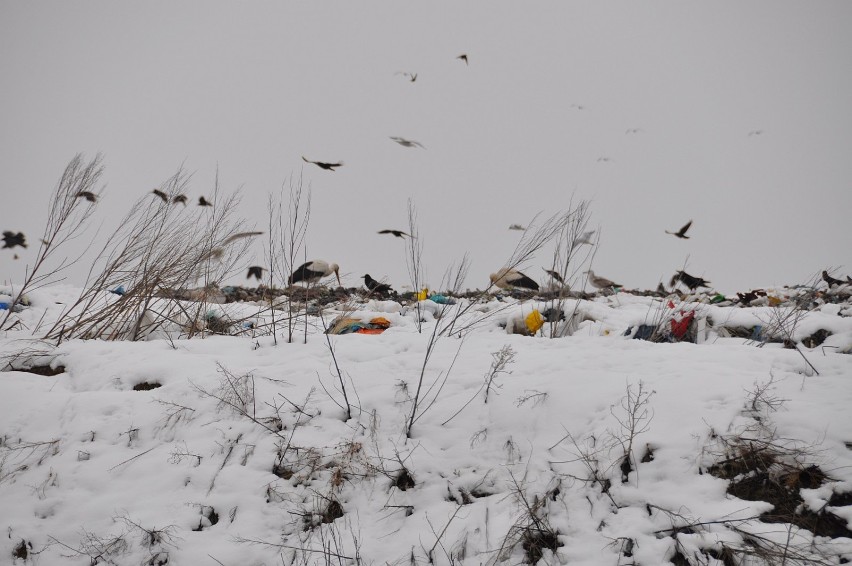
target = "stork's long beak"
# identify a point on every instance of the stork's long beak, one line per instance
(336, 274)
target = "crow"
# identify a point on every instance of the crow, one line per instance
(323, 164)
(406, 143)
(88, 195)
(255, 270)
(555, 276)
(463, 57)
(682, 232)
(689, 280)
(516, 227)
(397, 233)
(204, 202)
(179, 199)
(161, 194)
(375, 286)
(10, 239)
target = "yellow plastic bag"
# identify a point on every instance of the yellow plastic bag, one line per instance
(534, 321)
(423, 295)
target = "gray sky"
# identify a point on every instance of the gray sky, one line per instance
(251, 87)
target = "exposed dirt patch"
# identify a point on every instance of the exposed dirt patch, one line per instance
(146, 386)
(45, 370)
(404, 480)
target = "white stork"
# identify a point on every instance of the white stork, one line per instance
(314, 271)
(510, 279)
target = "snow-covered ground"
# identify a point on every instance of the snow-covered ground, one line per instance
(243, 455)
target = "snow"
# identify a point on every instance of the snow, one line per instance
(85, 460)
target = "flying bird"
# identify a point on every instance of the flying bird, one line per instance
(510, 279)
(256, 271)
(406, 143)
(397, 233)
(179, 199)
(88, 195)
(11, 239)
(219, 251)
(755, 133)
(411, 76)
(204, 202)
(161, 194)
(634, 131)
(585, 238)
(314, 271)
(375, 286)
(555, 276)
(463, 57)
(516, 227)
(689, 280)
(682, 232)
(323, 164)
(601, 282)
(825, 276)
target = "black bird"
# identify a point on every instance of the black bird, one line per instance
(407, 143)
(397, 233)
(323, 164)
(88, 195)
(689, 280)
(314, 271)
(161, 194)
(255, 270)
(375, 286)
(555, 275)
(10, 239)
(746, 298)
(204, 202)
(661, 290)
(411, 76)
(463, 57)
(682, 232)
(825, 276)
(179, 199)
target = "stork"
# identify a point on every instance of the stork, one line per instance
(314, 271)
(509, 279)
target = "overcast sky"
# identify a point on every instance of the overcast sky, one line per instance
(645, 109)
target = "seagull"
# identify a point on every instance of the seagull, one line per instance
(689, 280)
(255, 270)
(397, 233)
(601, 282)
(323, 164)
(555, 275)
(516, 227)
(586, 238)
(375, 286)
(463, 57)
(825, 276)
(10, 239)
(411, 76)
(682, 232)
(314, 271)
(510, 279)
(88, 195)
(161, 194)
(217, 252)
(179, 199)
(204, 202)
(406, 143)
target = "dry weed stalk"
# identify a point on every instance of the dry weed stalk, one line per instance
(68, 215)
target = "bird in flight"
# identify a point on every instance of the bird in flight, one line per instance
(256, 271)
(689, 280)
(682, 232)
(179, 199)
(585, 238)
(555, 276)
(161, 194)
(11, 239)
(397, 233)
(406, 143)
(323, 164)
(463, 57)
(755, 133)
(411, 76)
(88, 195)
(204, 202)
(219, 251)
(516, 227)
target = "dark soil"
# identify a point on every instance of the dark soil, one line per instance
(334, 510)
(146, 386)
(534, 542)
(282, 471)
(22, 551)
(404, 480)
(46, 371)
